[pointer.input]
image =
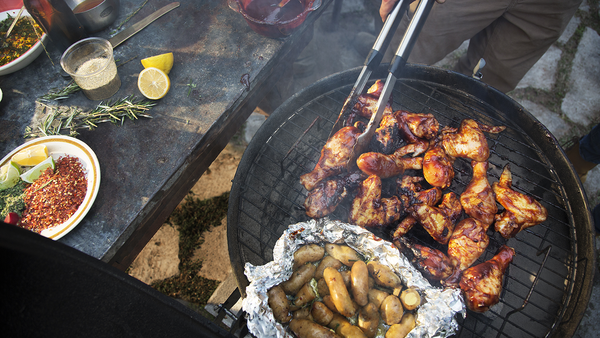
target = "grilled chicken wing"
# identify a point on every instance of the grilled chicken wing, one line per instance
(468, 140)
(520, 211)
(437, 165)
(334, 157)
(468, 241)
(423, 126)
(482, 283)
(386, 166)
(366, 104)
(438, 221)
(478, 199)
(325, 197)
(410, 192)
(434, 264)
(370, 210)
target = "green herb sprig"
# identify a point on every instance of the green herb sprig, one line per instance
(74, 119)
(61, 94)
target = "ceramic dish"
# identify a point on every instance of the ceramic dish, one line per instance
(29, 56)
(60, 146)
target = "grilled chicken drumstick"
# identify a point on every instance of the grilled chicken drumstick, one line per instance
(325, 197)
(468, 140)
(520, 211)
(369, 209)
(386, 166)
(468, 241)
(478, 199)
(334, 157)
(482, 283)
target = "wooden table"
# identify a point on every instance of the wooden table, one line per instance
(149, 165)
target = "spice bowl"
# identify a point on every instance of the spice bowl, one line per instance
(267, 18)
(12, 8)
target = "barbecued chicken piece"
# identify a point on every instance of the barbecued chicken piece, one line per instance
(468, 241)
(468, 140)
(438, 221)
(327, 195)
(387, 136)
(334, 157)
(423, 126)
(520, 211)
(478, 199)
(482, 283)
(437, 165)
(370, 210)
(366, 104)
(410, 192)
(433, 263)
(386, 166)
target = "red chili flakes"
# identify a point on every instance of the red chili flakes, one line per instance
(55, 195)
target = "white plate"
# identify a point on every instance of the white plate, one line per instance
(60, 146)
(28, 57)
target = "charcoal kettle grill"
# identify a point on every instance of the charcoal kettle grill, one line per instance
(547, 286)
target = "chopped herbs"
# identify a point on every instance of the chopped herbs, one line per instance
(11, 199)
(20, 40)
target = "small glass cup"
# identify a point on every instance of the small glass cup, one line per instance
(91, 64)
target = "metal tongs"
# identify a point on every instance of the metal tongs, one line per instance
(394, 71)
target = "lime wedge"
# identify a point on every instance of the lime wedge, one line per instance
(34, 173)
(9, 175)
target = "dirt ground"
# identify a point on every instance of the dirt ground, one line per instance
(159, 259)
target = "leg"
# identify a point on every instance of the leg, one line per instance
(589, 146)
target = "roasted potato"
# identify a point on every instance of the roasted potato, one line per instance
(328, 301)
(359, 277)
(377, 296)
(304, 328)
(305, 295)
(384, 275)
(391, 310)
(342, 327)
(326, 262)
(339, 292)
(343, 253)
(322, 288)
(410, 298)
(401, 329)
(368, 319)
(298, 279)
(279, 303)
(307, 253)
(303, 313)
(321, 313)
(346, 277)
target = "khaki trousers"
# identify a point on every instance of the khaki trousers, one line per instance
(510, 35)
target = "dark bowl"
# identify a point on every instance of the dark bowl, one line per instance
(274, 28)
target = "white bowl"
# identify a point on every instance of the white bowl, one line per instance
(26, 58)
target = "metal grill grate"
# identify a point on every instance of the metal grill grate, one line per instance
(539, 284)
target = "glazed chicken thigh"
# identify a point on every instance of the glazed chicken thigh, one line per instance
(438, 221)
(369, 209)
(437, 165)
(468, 241)
(327, 195)
(520, 211)
(482, 283)
(478, 199)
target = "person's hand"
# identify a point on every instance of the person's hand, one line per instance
(387, 6)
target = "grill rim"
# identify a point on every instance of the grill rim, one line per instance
(577, 204)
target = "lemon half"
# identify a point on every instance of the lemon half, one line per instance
(153, 83)
(163, 62)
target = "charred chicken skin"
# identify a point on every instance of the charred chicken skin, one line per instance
(433, 263)
(468, 241)
(410, 192)
(334, 157)
(370, 210)
(468, 141)
(327, 195)
(437, 166)
(387, 136)
(478, 199)
(482, 283)
(520, 211)
(386, 166)
(438, 221)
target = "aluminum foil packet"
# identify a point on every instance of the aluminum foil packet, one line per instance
(435, 318)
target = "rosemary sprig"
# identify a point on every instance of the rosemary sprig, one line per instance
(74, 119)
(61, 94)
